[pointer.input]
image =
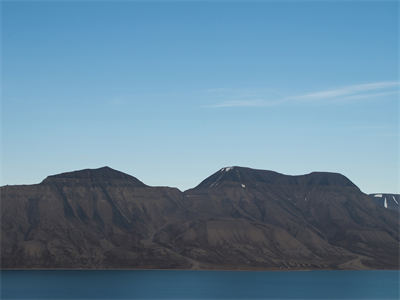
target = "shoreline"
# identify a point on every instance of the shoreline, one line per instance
(155, 269)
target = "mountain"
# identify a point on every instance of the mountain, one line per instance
(87, 219)
(101, 175)
(238, 218)
(255, 177)
(390, 201)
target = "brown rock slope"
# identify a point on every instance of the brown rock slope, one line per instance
(238, 218)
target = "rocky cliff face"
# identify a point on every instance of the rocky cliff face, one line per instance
(238, 218)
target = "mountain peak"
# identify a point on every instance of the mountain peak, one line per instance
(247, 176)
(235, 174)
(103, 174)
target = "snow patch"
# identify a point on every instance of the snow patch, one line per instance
(395, 200)
(378, 195)
(385, 203)
(226, 169)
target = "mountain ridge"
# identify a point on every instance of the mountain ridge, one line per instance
(249, 219)
(93, 175)
(245, 175)
(110, 173)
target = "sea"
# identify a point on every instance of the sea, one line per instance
(171, 284)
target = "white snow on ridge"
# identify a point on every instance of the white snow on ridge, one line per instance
(395, 200)
(378, 195)
(226, 169)
(385, 203)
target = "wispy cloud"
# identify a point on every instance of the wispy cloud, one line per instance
(355, 90)
(337, 95)
(366, 96)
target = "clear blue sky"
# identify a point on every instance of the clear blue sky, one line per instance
(170, 92)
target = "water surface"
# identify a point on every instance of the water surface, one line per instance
(156, 284)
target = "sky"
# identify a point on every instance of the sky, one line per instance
(172, 91)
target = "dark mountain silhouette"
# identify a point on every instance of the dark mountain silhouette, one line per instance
(238, 218)
(101, 175)
(255, 177)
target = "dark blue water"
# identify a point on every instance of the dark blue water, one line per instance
(199, 285)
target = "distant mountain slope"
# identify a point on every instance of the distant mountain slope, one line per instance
(238, 218)
(390, 201)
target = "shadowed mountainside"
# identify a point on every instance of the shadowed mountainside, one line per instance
(238, 218)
